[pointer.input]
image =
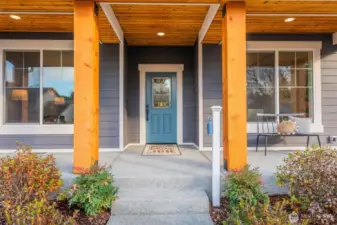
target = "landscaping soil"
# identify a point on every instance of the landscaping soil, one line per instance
(81, 218)
(220, 214)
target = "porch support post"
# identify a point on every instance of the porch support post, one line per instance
(234, 85)
(86, 94)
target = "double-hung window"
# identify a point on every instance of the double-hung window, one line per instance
(284, 77)
(37, 86)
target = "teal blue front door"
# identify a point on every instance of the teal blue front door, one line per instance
(161, 108)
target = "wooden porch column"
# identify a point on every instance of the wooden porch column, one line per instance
(86, 93)
(234, 85)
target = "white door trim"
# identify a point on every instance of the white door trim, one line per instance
(143, 69)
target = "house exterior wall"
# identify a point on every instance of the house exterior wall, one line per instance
(196, 88)
(109, 96)
(212, 86)
(161, 55)
(109, 100)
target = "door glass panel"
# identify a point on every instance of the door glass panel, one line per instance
(161, 92)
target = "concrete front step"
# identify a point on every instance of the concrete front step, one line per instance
(169, 219)
(160, 201)
(166, 182)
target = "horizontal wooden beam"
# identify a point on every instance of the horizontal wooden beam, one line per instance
(158, 2)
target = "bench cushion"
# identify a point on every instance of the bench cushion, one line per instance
(303, 124)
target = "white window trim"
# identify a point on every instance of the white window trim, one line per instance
(314, 46)
(26, 129)
(143, 69)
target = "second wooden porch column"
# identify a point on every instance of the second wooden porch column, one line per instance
(234, 85)
(86, 94)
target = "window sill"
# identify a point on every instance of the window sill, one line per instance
(26, 129)
(315, 128)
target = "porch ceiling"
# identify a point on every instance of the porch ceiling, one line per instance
(47, 16)
(275, 24)
(141, 23)
(181, 23)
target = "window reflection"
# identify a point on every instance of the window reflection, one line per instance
(22, 86)
(58, 87)
(260, 84)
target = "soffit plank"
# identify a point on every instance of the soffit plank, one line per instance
(37, 5)
(141, 23)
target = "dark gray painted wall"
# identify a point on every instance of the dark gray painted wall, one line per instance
(109, 95)
(212, 84)
(126, 121)
(211, 67)
(37, 36)
(196, 88)
(161, 55)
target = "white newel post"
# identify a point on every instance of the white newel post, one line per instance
(216, 155)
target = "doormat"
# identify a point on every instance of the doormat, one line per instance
(161, 150)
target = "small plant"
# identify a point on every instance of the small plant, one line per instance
(311, 177)
(261, 214)
(245, 186)
(37, 212)
(92, 191)
(26, 182)
(27, 176)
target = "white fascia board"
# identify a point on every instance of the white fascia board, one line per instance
(212, 11)
(109, 13)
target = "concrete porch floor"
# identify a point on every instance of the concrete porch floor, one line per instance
(191, 164)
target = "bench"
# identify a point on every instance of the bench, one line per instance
(267, 127)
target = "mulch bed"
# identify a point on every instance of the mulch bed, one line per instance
(81, 218)
(221, 214)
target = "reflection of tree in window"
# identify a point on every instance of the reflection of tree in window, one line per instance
(260, 84)
(58, 79)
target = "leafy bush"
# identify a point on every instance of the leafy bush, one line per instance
(245, 186)
(37, 212)
(92, 191)
(26, 182)
(27, 176)
(311, 177)
(260, 214)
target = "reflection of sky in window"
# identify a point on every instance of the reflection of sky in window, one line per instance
(9, 72)
(61, 79)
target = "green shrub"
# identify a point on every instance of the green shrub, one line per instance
(37, 212)
(260, 214)
(245, 186)
(311, 177)
(92, 191)
(26, 182)
(27, 176)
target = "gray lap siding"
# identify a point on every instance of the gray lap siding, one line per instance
(109, 101)
(161, 55)
(212, 86)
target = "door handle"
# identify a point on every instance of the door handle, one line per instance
(147, 112)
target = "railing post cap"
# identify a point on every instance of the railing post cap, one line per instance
(216, 108)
